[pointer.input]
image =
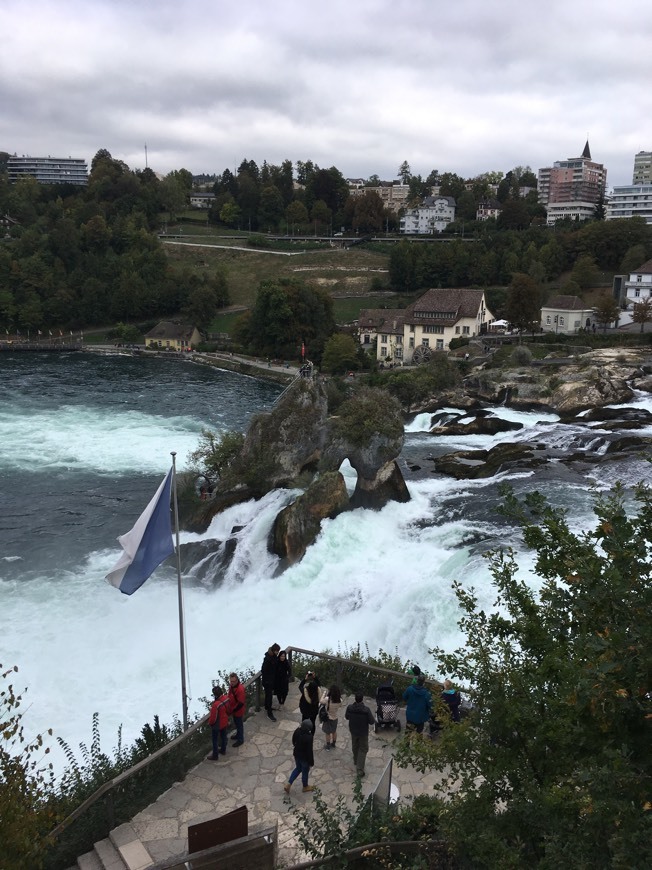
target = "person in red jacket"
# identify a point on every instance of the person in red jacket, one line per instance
(219, 721)
(238, 707)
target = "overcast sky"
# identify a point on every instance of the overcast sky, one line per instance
(465, 86)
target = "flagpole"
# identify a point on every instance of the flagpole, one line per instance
(184, 695)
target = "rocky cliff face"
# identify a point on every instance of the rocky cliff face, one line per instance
(298, 444)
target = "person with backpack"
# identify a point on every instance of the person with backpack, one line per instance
(219, 722)
(238, 707)
(303, 755)
(268, 677)
(452, 698)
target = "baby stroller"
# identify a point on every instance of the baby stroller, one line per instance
(386, 708)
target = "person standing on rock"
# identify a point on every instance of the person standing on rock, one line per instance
(218, 719)
(360, 718)
(282, 681)
(268, 677)
(238, 707)
(303, 756)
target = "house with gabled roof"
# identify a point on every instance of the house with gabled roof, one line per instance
(566, 314)
(170, 335)
(384, 326)
(410, 335)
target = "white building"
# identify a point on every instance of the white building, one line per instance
(411, 334)
(566, 314)
(201, 200)
(642, 168)
(633, 288)
(49, 170)
(631, 200)
(432, 216)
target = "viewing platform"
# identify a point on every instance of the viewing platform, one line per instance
(253, 775)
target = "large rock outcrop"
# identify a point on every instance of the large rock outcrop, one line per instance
(297, 525)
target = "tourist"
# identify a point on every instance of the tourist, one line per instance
(218, 719)
(419, 704)
(452, 698)
(414, 672)
(238, 707)
(332, 701)
(303, 755)
(360, 718)
(268, 676)
(282, 679)
(309, 701)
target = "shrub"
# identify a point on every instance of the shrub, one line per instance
(521, 356)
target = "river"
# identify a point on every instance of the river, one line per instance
(84, 442)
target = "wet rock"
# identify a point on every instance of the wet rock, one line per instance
(297, 525)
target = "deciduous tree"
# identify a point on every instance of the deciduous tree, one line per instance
(553, 768)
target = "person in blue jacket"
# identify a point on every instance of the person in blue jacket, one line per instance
(419, 704)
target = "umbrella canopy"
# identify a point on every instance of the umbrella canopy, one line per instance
(499, 323)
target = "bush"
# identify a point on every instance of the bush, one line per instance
(521, 356)
(258, 241)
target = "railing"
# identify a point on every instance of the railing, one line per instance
(335, 665)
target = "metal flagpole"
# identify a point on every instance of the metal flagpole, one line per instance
(182, 646)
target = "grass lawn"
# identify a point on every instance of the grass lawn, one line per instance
(340, 271)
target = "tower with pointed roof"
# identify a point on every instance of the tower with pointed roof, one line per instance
(572, 188)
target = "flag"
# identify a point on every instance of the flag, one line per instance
(303, 350)
(147, 544)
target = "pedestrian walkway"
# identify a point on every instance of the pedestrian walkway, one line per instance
(254, 775)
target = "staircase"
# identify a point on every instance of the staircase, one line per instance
(122, 850)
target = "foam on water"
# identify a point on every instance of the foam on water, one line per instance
(101, 439)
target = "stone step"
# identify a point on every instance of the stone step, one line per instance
(109, 856)
(130, 848)
(89, 861)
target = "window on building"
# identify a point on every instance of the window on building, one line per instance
(411, 341)
(466, 330)
(412, 327)
(383, 351)
(637, 293)
(426, 342)
(548, 319)
(457, 330)
(367, 339)
(399, 339)
(561, 321)
(440, 344)
(383, 339)
(577, 324)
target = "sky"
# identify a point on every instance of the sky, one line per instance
(467, 86)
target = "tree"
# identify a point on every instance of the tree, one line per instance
(642, 312)
(340, 354)
(523, 308)
(321, 214)
(404, 172)
(296, 214)
(270, 210)
(634, 258)
(215, 454)
(585, 272)
(554, 766)
(514, 215)
(368, 212)
(451, 184)
(26, 786)
(287, 312)
(606, 310)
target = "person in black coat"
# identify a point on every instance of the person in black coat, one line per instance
(309, 701)
(282, 679)
(268, 677)
(303, 755)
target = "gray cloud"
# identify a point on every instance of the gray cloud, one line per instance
(364, 85)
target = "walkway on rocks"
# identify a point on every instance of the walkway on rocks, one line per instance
(254, 775)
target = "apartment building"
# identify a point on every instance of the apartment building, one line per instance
(572, 188)
(49, 170)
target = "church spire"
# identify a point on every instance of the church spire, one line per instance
(587, 151)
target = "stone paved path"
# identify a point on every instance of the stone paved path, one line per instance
(254, 774)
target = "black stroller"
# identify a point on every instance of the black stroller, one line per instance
(386, 708)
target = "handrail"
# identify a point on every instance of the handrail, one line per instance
(159, 753)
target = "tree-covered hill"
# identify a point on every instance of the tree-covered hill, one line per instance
(75, 258)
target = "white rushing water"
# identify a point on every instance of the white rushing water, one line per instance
(380, 578)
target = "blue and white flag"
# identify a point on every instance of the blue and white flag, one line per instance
(147, 544)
